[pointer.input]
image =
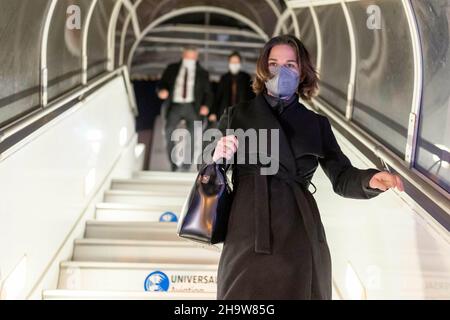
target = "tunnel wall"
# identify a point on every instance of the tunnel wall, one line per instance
(384, 67)
(54, 181)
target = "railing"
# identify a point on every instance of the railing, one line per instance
(78, 94)
(415, 178)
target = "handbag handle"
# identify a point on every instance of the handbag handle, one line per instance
(228, 117)
(227, 112)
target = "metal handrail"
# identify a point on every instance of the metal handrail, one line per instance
(15, 127)
(438, 196)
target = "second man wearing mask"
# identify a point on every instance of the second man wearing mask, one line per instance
(234, 87)
(186, 86)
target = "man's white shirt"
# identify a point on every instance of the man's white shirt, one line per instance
(178, 90)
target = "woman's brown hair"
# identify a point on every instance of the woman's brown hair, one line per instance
(308, 86)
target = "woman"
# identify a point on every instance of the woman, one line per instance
(234, 87)
(276, 246)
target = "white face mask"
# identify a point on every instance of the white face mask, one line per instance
(189, 63)
(234, 68)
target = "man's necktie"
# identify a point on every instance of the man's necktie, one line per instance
(185, 83)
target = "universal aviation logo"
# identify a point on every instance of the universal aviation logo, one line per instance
(168, 217)
(157, 282)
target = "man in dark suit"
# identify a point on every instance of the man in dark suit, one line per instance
(234, 87)
(186, 87)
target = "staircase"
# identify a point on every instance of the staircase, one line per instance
(131, 250)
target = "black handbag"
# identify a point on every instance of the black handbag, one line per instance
(205, 214)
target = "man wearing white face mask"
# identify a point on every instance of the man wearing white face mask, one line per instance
(186, 87)
(234, 87)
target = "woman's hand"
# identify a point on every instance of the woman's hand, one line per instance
(226, 148)
(384, 180)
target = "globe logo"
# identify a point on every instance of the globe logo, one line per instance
(168, 217)
(157, 282)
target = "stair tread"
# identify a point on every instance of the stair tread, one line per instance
(118, 206)
(135, 224)
(158, 172)
(136, 266)
(125, 294)
(150, 182)
(157, 243)
(141, 192)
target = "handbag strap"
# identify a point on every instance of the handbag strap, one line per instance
(227, 112)
(228, 116)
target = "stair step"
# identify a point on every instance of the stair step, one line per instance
(123, 295)
(173, 252)
(176, 187)
(130, 212)
(102, 276)
(166, 176)
(143, 197)
(131, 230)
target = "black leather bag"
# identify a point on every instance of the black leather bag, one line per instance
(205, 214)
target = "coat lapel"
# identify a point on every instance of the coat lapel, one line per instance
(197, 82)
(263, 118)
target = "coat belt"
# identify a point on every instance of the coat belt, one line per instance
(299, 187)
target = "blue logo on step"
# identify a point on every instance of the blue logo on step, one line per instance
(157, 282)
(168, 217)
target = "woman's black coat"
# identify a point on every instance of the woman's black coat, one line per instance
(276, 246)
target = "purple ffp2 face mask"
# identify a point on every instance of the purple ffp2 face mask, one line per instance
(284, 82)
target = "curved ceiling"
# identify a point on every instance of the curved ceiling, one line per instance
(216, 27)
